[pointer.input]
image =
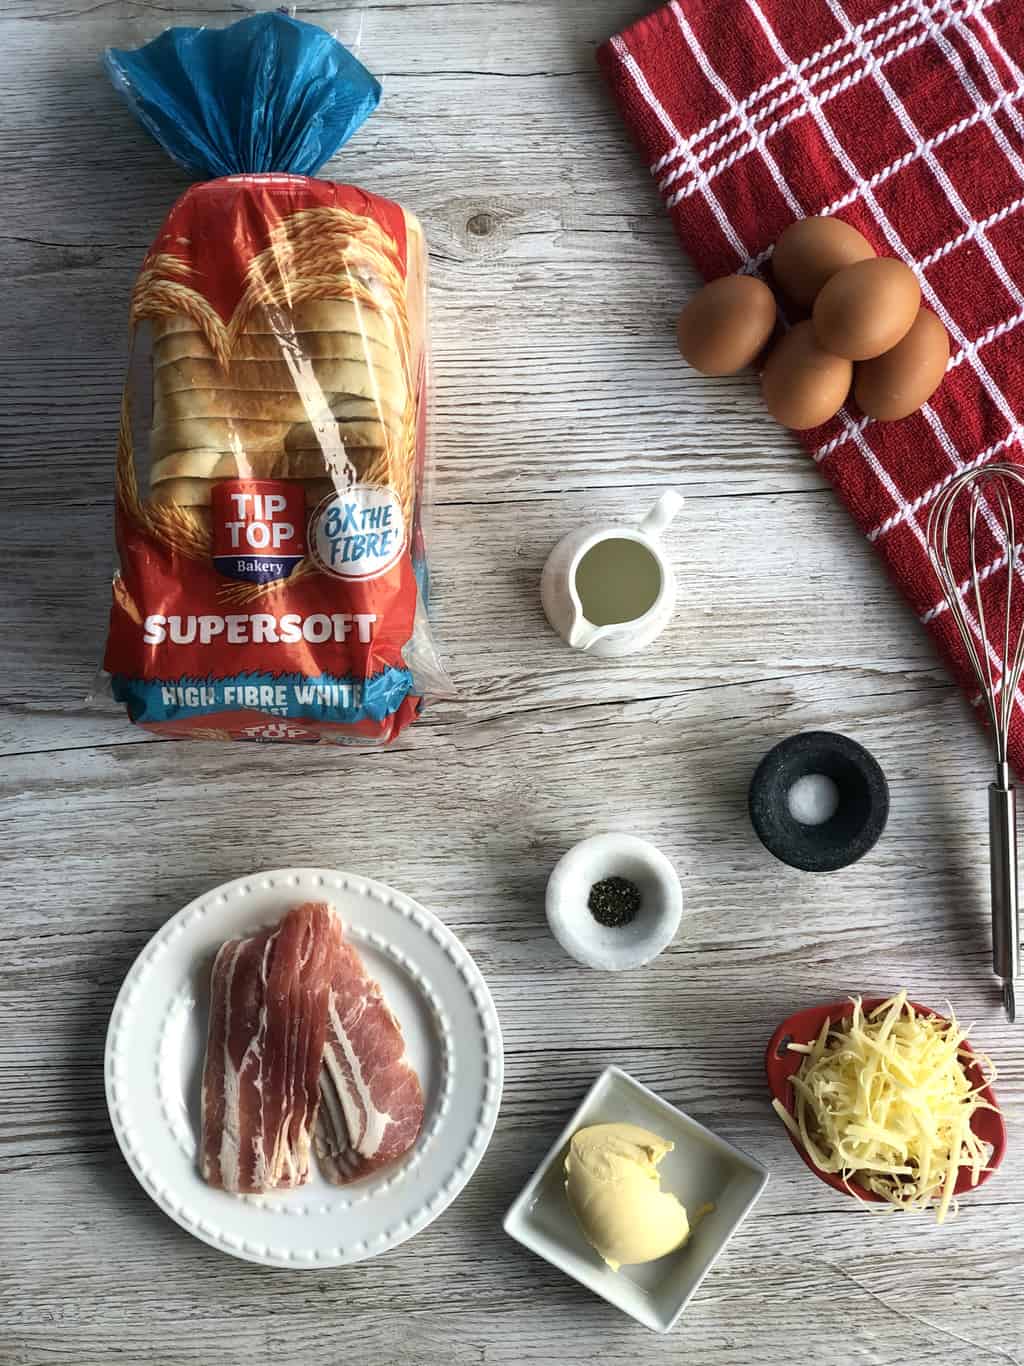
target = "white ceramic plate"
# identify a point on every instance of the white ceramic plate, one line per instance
(154, 1060)
(703, 1169)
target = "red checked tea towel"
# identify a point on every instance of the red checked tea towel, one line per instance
(907, 121)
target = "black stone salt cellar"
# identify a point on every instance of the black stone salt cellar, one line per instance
(837, 835)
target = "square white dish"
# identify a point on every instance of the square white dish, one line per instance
(702, 1169)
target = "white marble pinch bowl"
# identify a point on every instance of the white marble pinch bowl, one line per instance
(613, 949)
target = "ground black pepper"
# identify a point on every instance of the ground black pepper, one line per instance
(614, 901)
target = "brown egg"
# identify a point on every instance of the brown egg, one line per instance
(867, 308)
(812, 250)
(896, 383)
(803, 385)
(726, 324)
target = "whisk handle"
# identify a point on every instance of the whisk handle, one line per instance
(1002, 838)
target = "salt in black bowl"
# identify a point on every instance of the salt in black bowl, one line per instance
(860, 795)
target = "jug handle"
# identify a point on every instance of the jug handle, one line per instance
(664, 510)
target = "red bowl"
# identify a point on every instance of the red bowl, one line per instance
(805, 1026)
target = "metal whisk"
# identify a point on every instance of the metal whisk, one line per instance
(985, 495)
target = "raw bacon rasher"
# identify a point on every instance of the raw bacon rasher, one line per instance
(268, 1024)
(372, 1101)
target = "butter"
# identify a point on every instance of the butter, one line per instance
(614, 1190)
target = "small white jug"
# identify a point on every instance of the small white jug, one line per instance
(619, 575)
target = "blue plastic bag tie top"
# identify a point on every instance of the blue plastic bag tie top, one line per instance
(268, 93)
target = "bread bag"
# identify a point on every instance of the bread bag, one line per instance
(272, 446)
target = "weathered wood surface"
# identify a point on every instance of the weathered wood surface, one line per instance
(555, 281)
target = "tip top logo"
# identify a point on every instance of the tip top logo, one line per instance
(279, 732)
(258, 527)
(358, 533)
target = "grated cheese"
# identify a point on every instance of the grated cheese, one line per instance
(882, 1099)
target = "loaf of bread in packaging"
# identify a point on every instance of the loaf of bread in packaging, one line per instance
(272, 450)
